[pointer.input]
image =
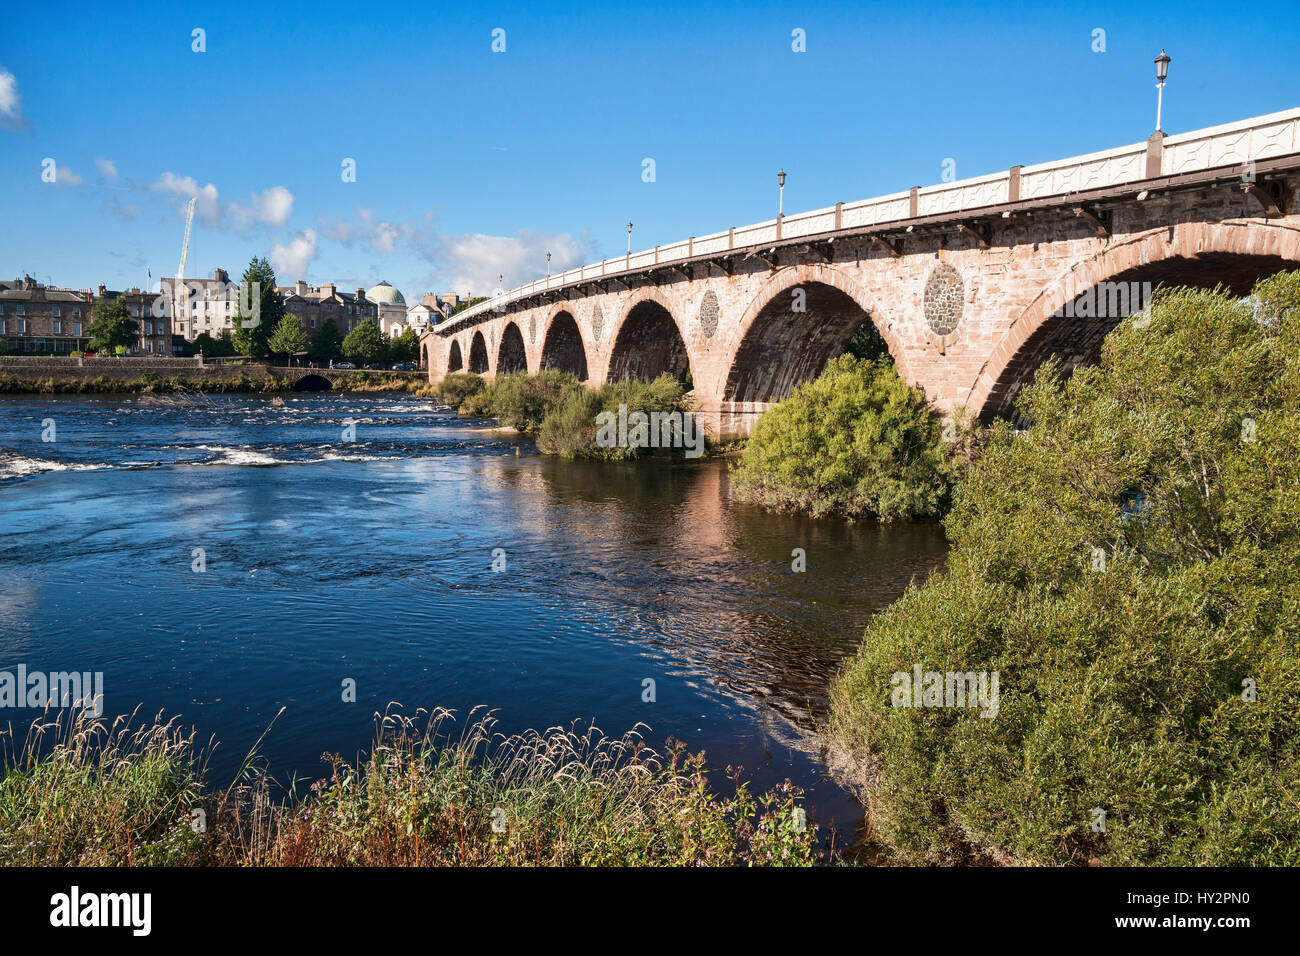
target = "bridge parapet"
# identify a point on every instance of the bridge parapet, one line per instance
(1257, 138)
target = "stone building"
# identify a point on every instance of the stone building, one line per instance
(313, 305)
(206, 305)
(391, 308)
(155, 324)
(36, 319)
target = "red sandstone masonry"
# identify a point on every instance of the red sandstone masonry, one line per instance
(1036, 264)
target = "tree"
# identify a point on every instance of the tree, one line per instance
(205, 344)
(328, 343)
(403, 348)
(288, 338)
(365, 343)
(1129, 567)
(251, 334)
(111, 327)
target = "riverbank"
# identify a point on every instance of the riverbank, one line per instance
(84, 792)
(243, 381)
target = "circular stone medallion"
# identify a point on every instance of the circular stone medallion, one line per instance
(944, 292)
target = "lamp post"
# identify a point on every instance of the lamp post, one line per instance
(629, 237)
(1162, 71)
(780, 194)
(548, 265)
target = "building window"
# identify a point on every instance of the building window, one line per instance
(76, 313)
(56, 311)
(58, 328)
(22, 310)
(76, 327)
(22, 325)
(135, 311)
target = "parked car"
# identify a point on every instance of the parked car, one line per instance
(404, 367)
(344, 365)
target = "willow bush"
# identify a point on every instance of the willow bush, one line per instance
(856, 442)
(1130, 566)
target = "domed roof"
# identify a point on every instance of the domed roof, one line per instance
(385, 293)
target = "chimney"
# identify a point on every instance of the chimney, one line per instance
(221, 275)
(102, 289)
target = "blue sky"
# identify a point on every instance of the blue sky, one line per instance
(471, 163)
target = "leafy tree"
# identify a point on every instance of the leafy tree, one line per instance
(404, 347)
(327, 345)
(856, 442)
(288, 338)
(111, 327)
(365, 343)
(1129, 566)
(251, 336)
(213, 347)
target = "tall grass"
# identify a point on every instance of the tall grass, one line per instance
(81, 791)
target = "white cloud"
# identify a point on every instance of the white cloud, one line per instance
(474, 261)
(208, 207)
(381, 235)
(107, 170)
(64, 176)
(271, 207)
(11, 102)
(291, 261)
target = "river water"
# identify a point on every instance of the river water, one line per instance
(326, 560)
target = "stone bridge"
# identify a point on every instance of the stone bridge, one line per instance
(971, 284)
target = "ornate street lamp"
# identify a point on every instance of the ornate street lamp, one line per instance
(548, 265)
(629, 237)
(780, 195)
(1162, 71)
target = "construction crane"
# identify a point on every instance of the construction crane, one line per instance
(179, 292)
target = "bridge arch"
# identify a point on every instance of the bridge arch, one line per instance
(511, 355)
(563, 347)
(478, 354)
(777, 348)
(313, 383)
(455, 361)
(648, 340)
(1232, 254)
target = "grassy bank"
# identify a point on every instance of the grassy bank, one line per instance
(1129, 568)
(148, 383)
(91, 793)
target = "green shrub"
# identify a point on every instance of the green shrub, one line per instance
(855, 442)
(522, 401)
(570, 431)
(456, 387)
(1159, 685)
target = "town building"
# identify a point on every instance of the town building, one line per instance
(391, 308)
(205, 305)
(314, 305)
(155, 325)
(36, 319)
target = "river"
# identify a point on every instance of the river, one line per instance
(221, 557)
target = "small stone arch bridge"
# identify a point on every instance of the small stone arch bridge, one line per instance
(972, 284)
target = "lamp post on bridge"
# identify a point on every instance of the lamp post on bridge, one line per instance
(1162, 71)
(548, 265)
(629, 237)
(780, 194)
